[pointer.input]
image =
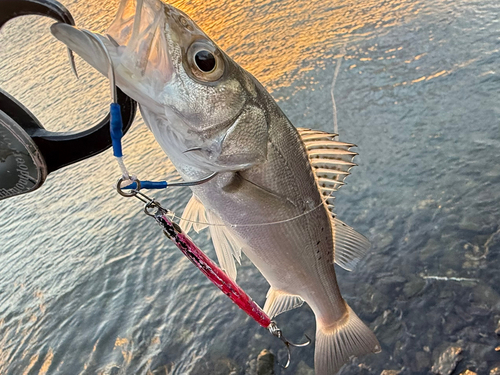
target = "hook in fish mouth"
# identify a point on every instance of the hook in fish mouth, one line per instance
(276, 331)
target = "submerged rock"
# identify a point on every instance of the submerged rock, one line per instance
(265, 363)
(485, 295)
(390, 372)
(447, 361)
(414, 286)
(304, 369)
(422, 362)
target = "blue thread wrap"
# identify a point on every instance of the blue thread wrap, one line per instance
(148, 185)
(116, 129)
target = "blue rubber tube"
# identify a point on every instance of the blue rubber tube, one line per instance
(116, 129)
(148, 185)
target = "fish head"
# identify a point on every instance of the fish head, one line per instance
(202, 107)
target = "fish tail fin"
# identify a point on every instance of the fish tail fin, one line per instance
(336, 345)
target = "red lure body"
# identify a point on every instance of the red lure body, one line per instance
(211, 270)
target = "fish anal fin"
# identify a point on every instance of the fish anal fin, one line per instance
(350, 246)
(336, 344)
(278, 302)
(227, 245)
(193, 216)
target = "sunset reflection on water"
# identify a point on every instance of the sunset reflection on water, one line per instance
(278, 41)
(89, 285)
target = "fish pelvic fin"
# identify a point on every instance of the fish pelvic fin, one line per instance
(227, 245)
(278, 302)
(350, 246)
(193, 216)
(335, 345)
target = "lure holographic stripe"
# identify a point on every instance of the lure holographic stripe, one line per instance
(211, 270)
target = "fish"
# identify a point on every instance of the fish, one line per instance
(272, 197)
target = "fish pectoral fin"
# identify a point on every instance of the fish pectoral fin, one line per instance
(226, 243)
(336, 344)
(193, 216)
(278, 302)
(350, 246)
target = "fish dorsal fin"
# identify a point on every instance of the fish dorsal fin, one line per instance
(278, 302)
(193, 216)
(330, 160)
(227, 245)
(350, 246)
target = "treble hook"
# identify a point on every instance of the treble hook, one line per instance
(276, 331)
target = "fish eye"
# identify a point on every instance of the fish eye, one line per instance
(205, 61)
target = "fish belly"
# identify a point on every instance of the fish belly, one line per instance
(277, 211)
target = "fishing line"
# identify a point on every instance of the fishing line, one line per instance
(323, 202)
(209, 268)
(132, 182)
(334, 80)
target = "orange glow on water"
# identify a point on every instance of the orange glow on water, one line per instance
(279, 41)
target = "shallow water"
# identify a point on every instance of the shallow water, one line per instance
(88, 285)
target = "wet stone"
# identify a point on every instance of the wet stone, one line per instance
(385, 241)
(414, 286)
(390, 372)
(468, 372)
(486, 296)
(477, 350)
(303, 369)
(495, 370)
(447, 361)
(387, 327)
(497, 330)
(478, 310)
(432, 247)
(452, 324)
(463, 314)
(388, 282)
(265, 363)
(469, 224)
(422, 362)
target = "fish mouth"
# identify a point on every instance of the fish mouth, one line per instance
(137, 44)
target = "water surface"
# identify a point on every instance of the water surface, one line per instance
(89, 285)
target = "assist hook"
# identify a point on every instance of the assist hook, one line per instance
(276, 331)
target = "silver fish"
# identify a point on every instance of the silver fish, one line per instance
(273, 195)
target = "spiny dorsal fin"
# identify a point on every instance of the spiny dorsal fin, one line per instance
(278, 302)
(331, 161)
